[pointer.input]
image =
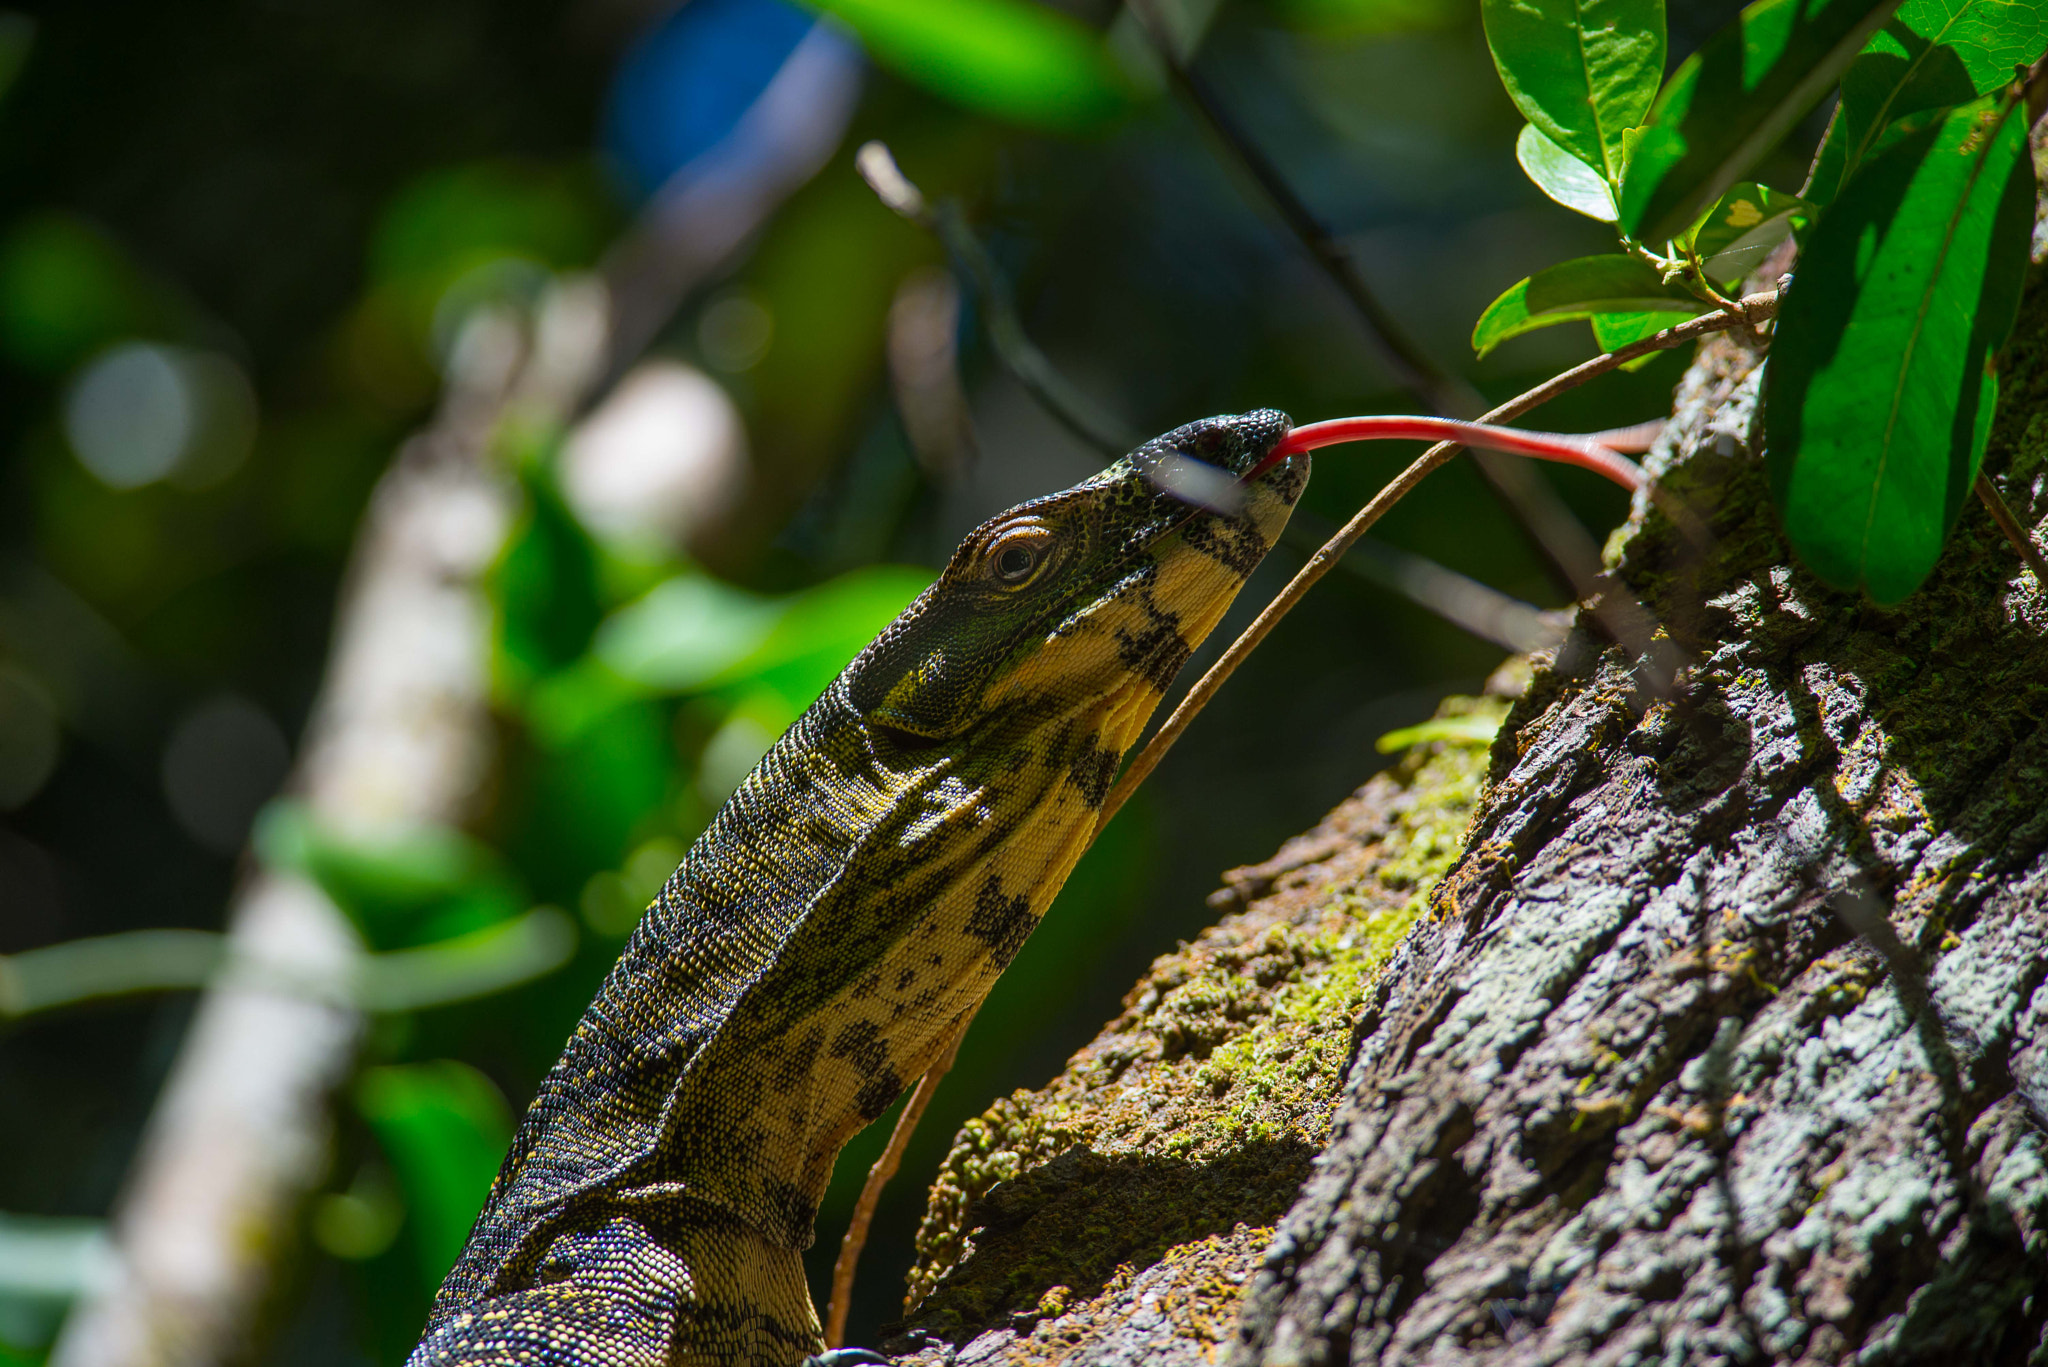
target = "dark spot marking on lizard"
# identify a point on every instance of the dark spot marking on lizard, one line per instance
(905, 978)
(1002, 923)
(796, 1211)
(995, 839)
(1060, 741)
(862, 1045)
(1155, 652)
(1235, 545)
(798, 1059)
(1092, 772)
(878, 1094)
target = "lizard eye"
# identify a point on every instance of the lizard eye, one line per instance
(1015, 556)
(1016, 562)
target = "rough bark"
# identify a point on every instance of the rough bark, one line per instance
(1720, 1041)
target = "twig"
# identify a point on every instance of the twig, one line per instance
(1021, 356)
(1078, 413)
(1749, 311)
(1412, 367)
(2014, 532)
(884, 1168)
(1476, 608)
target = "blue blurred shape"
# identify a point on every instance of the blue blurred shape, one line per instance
(685, 85)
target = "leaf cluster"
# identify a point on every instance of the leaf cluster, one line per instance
(1912, 230)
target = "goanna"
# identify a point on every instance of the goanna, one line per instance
(849, 906)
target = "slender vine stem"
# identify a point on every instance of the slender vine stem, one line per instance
(1562, 545)
(1035, 372)
(1412, 367)
(1987, 492)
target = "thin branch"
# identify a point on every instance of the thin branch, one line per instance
(1412, 367)
(1475, 608)
(1078, 413)
(2014, 532)
(1031, 367)
(1749, 311)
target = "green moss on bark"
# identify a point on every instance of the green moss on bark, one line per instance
(1161, 1156)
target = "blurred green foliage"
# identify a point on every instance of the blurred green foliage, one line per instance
(319, 196)
(1013, 59)
(443, 1127)
(66, 290)
(420, 887)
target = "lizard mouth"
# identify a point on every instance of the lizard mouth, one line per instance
(1195, 482)
(1209, 466)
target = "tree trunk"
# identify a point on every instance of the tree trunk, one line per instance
(1718, 1039)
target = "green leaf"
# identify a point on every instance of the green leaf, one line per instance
(1562, 176)
(1582, 71)
(588, 793)
(1828, 162)
(1613, 331)
(444, 1126)
(685, 632)
(426, 884)
(1580, 289)
(1933, 54)
(546, 586)
(823, 628)
(1730, 102)
(1018, 61)
(1880, 391)
(1745, 225)
(694, 634)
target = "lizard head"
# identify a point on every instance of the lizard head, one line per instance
(1091, 598)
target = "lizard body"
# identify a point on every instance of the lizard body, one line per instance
(850, 905)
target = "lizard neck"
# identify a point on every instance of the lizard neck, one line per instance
(944, 866)
(810, 957)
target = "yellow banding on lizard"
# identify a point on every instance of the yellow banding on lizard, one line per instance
(847, 908)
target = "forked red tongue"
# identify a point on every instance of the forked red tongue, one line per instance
(1583, 452)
